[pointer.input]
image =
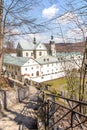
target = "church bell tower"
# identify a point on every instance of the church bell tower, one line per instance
(52, 51)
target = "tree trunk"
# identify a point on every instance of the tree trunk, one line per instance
(1, 36)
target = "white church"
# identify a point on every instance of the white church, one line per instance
(34, 62)
(35, 50)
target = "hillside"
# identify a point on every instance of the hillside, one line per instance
(69, 47)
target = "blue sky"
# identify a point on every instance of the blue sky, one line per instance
(64, 27)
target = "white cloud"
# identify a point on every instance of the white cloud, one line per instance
(61, 40)
(67, 18)
(76, 34)
(50, 12)
(40, 38)
(12, 32)
(58, 40)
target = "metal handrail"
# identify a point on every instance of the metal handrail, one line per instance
(68, 99)
(75, 115)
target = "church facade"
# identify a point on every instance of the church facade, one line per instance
(35, 50)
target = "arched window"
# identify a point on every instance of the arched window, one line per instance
(37, 73)
(47, 59)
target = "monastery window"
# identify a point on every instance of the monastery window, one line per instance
(31, 54)
(48, 59)
(32, 74)
(37, 73)
(26, 53)
(47, 65)
(44, 59)
(40, 53)
(26, 69)
(42, 77)
(32, 68)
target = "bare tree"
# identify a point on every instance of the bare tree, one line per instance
(76, 12)
(16, 19)
(1, 35)
(72, 86)
(9, 45)
(72, 80)
(81, 22)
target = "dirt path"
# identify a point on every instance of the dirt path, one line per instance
(19, 113)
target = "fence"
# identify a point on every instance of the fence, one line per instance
(61, 113)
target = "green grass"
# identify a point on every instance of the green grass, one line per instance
(56, 84)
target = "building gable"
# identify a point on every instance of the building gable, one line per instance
(41, 47)
(24, 45)
(30, 62)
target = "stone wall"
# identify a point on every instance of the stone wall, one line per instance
(22, 93)
(10, 97)
(1, 100)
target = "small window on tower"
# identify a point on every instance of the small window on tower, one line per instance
(26, 54)
(40, 53)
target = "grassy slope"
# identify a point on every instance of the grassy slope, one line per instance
(56, 84)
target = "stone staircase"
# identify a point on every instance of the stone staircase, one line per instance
(22, 115)
(27, 119)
